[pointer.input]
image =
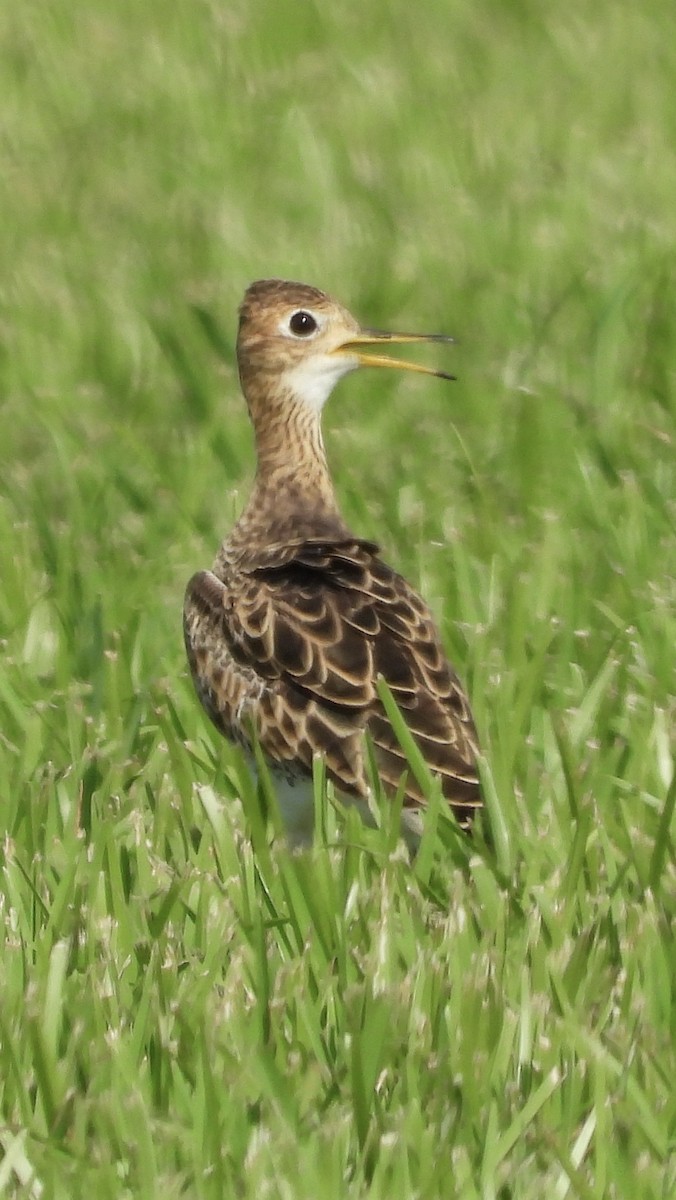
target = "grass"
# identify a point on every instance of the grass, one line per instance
(185, 1009)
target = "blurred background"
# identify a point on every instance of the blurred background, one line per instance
(501, 171)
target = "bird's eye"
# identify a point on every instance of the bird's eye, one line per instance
(302, 323)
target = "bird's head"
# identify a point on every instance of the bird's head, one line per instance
(306, 342)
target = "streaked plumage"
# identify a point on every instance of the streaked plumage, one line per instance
(289, 631)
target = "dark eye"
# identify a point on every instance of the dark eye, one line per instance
(302, 323)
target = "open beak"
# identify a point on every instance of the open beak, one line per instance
(373, 337)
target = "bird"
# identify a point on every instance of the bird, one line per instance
(299, 618)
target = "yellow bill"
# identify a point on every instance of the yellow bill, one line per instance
(375, 338)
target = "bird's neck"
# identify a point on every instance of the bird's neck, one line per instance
(293, 496)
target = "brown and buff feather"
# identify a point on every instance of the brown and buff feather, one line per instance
(289, 633)
(292, 647)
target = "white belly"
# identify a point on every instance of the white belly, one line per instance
(295, 797)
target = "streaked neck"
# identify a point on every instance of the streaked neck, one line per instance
(293, 496)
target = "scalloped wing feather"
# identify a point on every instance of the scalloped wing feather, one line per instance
(291, 646)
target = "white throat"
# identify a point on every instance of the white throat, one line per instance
(314, 380)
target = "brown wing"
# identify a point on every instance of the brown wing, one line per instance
(295, 645)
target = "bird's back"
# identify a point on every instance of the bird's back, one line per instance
(288, 646)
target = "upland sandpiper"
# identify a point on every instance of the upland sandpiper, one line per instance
(289, 632)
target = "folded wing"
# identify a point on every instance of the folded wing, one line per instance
(288, 648)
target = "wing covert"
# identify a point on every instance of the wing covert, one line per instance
(296, 643)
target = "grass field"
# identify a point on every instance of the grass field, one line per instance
(186, 1010)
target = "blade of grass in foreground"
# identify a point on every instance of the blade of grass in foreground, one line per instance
(663, 843)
